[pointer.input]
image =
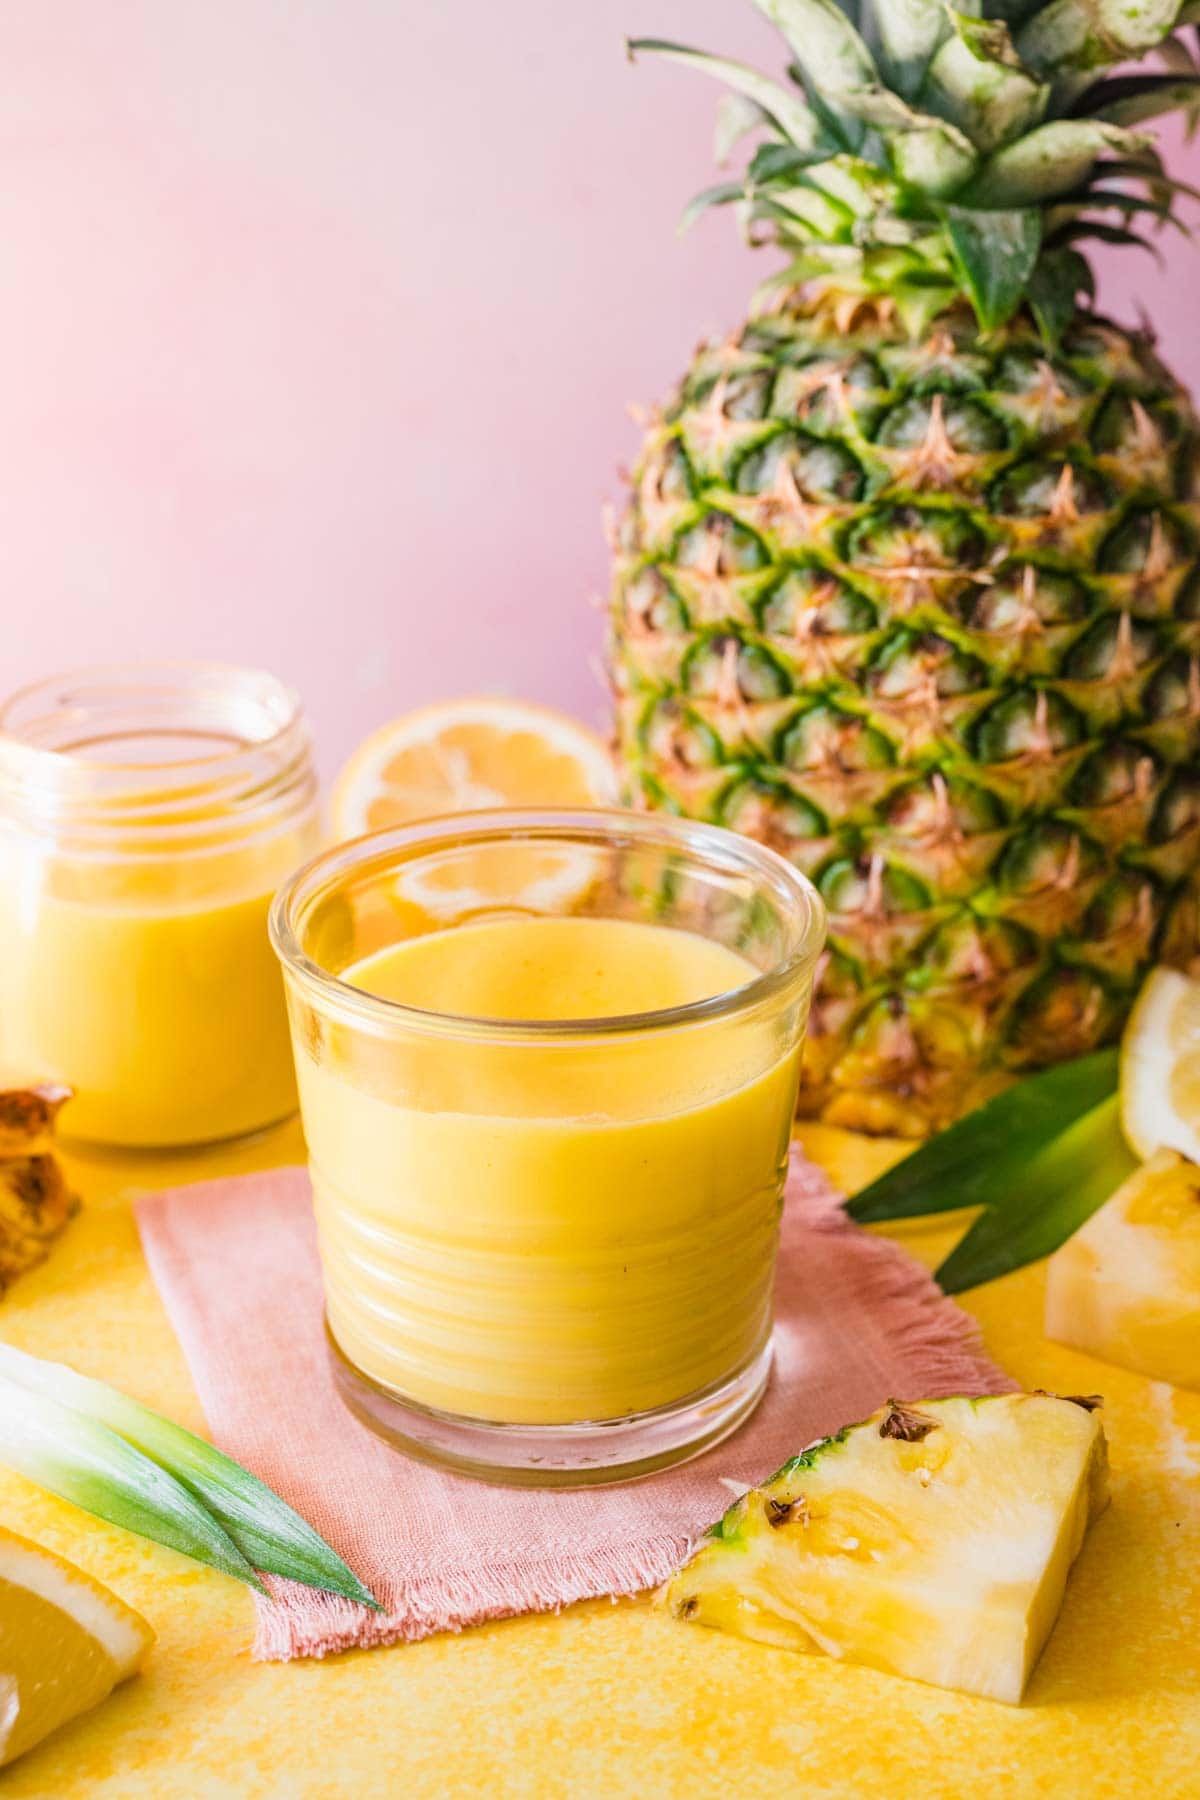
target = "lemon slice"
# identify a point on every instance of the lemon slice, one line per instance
(1160, 1067)
(65, 1643)
(463, 755)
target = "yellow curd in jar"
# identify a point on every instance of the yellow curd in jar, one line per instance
(147, 814)
(553, 1232)
(164, 1012)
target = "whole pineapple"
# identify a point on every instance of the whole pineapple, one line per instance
(908, 586)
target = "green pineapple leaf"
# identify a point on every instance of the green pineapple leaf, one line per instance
(995, 253)
(909, 32)
(790, 112)
(244, 1518)
(1057, 1191)
(1015, 12)
(1057, 281)
(775, 162)
(825, 44)
(1131, 99)
(1114, 200)
(1147, 168)
(977, 82)
(1072, 37)
(725, 193)
(1082, 229)
(737, 116)
(935, 160)
(1174, 53)
(976, 1162)
(82, 1460)
(1050, 161)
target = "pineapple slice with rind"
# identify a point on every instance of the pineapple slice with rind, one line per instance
(1126, 1287)
(933, 1540)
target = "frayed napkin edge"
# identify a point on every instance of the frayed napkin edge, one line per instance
(452, 1603)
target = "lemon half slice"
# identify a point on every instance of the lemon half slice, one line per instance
(461, 755)
(65, 1642)
(1160, 1067)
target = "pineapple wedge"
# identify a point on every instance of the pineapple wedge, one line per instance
(933, 1541)
(1126, 1287)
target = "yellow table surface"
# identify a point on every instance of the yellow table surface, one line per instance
(607, 1699)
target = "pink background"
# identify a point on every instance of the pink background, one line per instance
(319, 318)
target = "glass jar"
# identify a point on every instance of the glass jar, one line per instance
(548, 1235)
(147, 814)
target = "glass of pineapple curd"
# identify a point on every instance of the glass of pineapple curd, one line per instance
(147, 815)
(548, 1065)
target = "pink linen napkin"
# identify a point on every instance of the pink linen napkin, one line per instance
(236, 1264)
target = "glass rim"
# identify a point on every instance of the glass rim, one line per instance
(713, 844)
(258, 687)
(259, 760)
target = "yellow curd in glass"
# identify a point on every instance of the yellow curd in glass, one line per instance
(553, 1232)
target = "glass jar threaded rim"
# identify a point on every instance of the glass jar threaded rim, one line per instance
(155, 758)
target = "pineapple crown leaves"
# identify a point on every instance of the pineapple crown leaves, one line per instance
(926, 152)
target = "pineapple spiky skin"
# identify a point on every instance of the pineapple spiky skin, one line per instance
(923, 614)
(1126, 1287)
(934, 1541)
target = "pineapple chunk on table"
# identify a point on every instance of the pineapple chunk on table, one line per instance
(934, 1540)
(1126, 1287)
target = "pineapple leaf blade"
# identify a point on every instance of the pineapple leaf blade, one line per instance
(909, 32)
(974, 1162)
(977, 81)
(790, 112)
(825, 44)
(1049, 161)
(1057, 1191)
(187, 1485)
(736, 117)
(1072, 37)
(725, 193)
(85, 1462)
(995, 253)
(1131, 99)
(935, 158)
(1059, 277)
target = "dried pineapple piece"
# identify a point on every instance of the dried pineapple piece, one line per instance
(27, 1118)
(35, 1200)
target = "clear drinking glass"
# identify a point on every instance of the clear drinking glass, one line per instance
(147, 815)
(548, 1243)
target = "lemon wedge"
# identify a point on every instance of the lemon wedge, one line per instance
(65, 1643)
(1160, 1067)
